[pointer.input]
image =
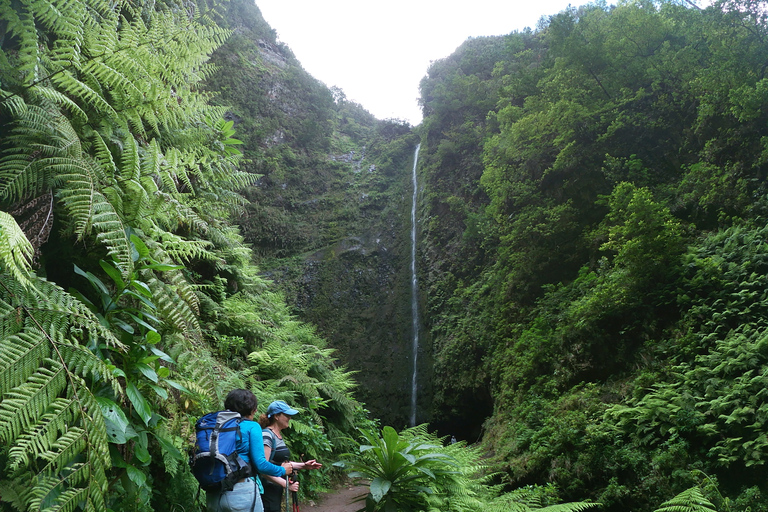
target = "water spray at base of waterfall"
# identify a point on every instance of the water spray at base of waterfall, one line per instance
(414, 290)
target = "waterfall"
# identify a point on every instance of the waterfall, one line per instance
(414, 290)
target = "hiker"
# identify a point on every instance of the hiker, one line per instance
(246, 495)
(277, 418)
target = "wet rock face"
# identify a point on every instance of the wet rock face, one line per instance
(356, 292)
(349, 270)
(272, 54)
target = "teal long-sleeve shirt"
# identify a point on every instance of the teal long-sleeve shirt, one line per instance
(251, 449)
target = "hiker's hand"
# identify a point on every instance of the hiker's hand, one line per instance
(288, 468)
(293, 487)
(312, 464)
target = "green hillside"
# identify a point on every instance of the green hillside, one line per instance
(598, 319)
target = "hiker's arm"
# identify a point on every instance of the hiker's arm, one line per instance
(310, 464)
(281, 482)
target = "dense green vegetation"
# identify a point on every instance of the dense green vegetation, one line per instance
(601, 185)
(415, 471)
(183, 210)
(129, 302)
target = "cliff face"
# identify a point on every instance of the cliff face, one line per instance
(329, 217)
(350, 278)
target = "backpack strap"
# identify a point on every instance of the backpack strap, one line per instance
(273, 439)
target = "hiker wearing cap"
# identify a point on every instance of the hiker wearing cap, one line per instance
(276, 419)
(246, 495)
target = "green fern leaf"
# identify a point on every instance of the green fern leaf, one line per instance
(39, 440)
(23, 405)
(52, 426)
(568, 507)
(20, 356)
(90, 210)
(62, 100)
(69, 83)
(15, 250)
(690, 500)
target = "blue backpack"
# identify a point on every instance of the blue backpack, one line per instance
(215, 462)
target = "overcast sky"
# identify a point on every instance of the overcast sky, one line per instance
(378, 51)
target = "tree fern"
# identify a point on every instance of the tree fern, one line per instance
(35, 218)
(106, 119)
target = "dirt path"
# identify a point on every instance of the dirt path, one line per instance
(340, 500)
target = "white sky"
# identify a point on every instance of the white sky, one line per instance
(378, 51)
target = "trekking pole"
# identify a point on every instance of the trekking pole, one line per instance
(287, 491)
(295, 498)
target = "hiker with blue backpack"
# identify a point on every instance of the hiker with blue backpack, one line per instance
(229, 452)
(277, 418)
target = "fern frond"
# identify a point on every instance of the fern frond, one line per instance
(101, 152)
(15, 250)
(54, 310)
(64, 449)
(71, 85)
(114, 78)
(62, 100)
(71, 499)
(23, 405)
(39, 440)
(690, 500)
(82, 361)
(172, 303)
(20, 356)
(90, 209)
(50, 486)
(130, 164)
(21, 176)
(20, 24)
(196, 364)
(14, 105)
(62, 17)
(569, 507)
(53, 428)
(184, 250)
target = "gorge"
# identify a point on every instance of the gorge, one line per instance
(564, 265)
(540, 319)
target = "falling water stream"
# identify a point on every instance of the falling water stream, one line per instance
(414, 290)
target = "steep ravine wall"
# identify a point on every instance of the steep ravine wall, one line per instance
(329, 216)
(357, 292)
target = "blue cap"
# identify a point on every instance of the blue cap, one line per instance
(278, 406)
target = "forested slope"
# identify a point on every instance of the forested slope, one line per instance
(599, 184)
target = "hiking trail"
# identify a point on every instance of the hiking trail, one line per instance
(338, 500)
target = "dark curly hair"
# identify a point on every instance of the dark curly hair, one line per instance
(242, 401)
